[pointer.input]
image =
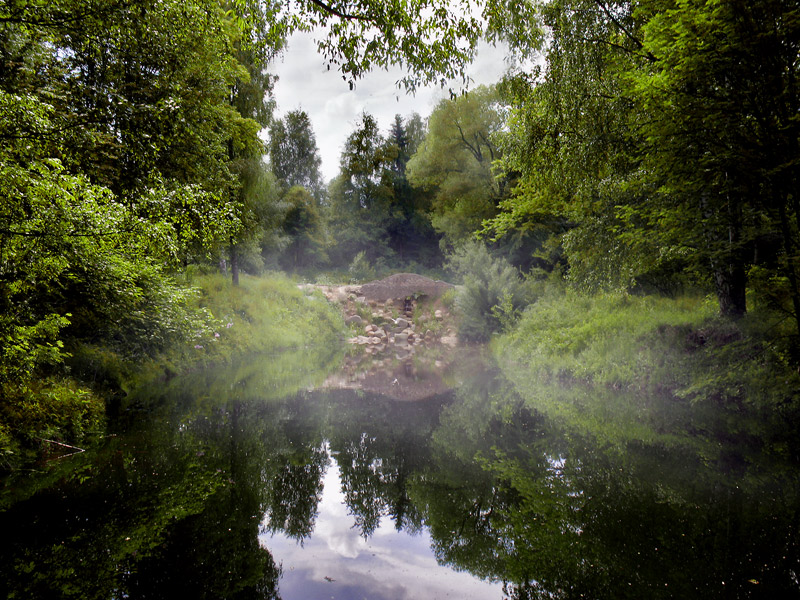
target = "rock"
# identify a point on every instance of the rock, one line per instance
(361, 300)
(362, 340)
(438, 315)
(449, 340)
(370, 329)
(401, 339)
(428, 334)
(397, 329)
(402, 323)
(374, 340)
(353, 319)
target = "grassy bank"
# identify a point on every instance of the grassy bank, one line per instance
(216, 323)
(601, 362)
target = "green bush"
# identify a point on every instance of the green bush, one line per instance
(492, 295)
(49, 411)
(360, 269)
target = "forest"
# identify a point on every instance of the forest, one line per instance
(624, 211)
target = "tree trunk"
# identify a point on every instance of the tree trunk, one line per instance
(727, 261)
(791, 260)
(234, 264)
(730, 281)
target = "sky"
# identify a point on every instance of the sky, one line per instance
(305, 83)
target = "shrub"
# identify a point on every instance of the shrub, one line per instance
(492, 295)
(360, 269)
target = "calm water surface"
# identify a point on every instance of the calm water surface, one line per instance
(294, 477)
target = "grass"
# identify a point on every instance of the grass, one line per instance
(264, 315)
(613, 340)
(650, 369)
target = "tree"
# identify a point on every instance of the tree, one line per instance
(409, 229)
(455, 163)
(361, 196)
(662, 133)
(303, 225)
(723, 135)
(294, 155)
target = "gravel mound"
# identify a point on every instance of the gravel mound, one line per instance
(402, 285)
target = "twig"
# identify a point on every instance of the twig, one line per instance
(75, 448)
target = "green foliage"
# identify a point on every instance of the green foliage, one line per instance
(302, 224)
(361, 269)
(656, 143)
(454, 163)
(34, 418)
(654, 345)
(294, 156)
(492, 293)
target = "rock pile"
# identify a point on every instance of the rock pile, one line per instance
(398, 335)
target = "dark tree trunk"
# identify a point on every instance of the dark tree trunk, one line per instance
(727, 260)
(791, 272)
(730, 281)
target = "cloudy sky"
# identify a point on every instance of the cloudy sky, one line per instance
(305, 83)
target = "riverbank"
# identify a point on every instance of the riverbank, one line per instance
(64, 411)
(598, 362)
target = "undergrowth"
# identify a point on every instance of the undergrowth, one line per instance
(213, 323)
(652, 345)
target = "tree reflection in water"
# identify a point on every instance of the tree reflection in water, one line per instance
(541, 501)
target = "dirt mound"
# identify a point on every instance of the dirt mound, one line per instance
(401, 285)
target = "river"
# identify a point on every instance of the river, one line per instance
(283, 477)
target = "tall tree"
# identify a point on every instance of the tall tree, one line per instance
(662, 132)
(361, 196)
(455, 163)
(294, 154)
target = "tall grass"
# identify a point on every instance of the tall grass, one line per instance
(652, 345)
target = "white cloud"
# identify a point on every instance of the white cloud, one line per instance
(307, 84)
(335, 561)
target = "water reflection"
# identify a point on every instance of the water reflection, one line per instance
(242, 483)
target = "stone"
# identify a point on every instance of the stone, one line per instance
(402, 323)
(438, 315)
(354, 319)
(428, 334)
(401, 339)
(449, 340)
